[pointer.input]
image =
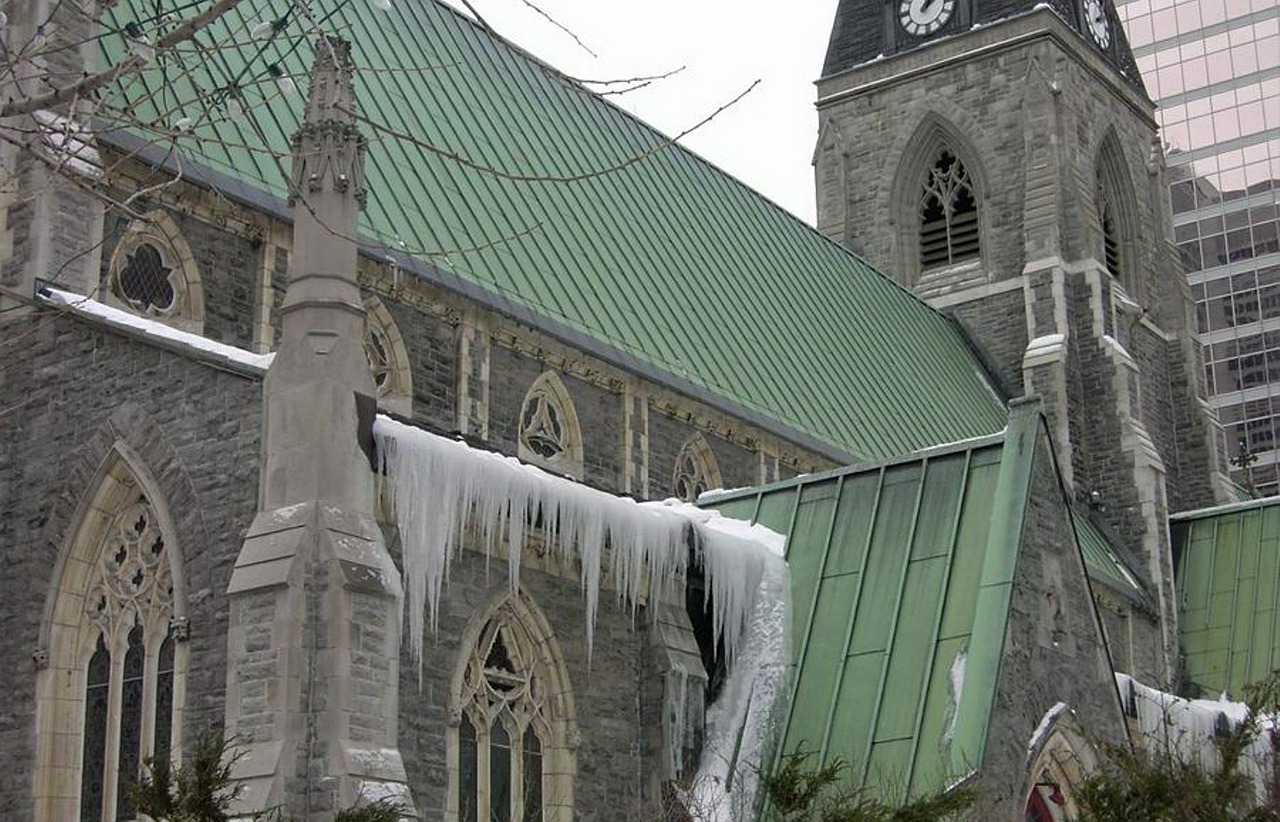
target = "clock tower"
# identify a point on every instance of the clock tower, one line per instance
(1000, 159)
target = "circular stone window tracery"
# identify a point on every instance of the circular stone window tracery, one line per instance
(153, 273)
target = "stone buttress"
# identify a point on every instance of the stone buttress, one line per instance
(315, 599)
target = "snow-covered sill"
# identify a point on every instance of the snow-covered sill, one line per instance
(156, 332)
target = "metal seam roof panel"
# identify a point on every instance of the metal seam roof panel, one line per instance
(668, 259)
(870, 547)
(1228, 576)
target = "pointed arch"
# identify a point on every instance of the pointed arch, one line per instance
(513, 732)
(111, 690)
(153, 272)
(695, 470)
(936, 201)
(549, 433)
(1060, 759)
(1116, 212)
(388, 358)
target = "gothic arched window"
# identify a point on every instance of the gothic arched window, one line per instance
(549, 432)
(695, 471)
(111, 685)
(388, 358)
(153, 273)
(1116, 222)
(512, 744)
(948, 214)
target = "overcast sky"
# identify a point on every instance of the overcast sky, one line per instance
(766, 139)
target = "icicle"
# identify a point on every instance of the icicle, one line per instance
(440, 484)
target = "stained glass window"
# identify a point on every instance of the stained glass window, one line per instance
(504, 728)
(97, 687)
(162, 741)
(129, 601)
(468, 784)
(532, 778)
(499, 773)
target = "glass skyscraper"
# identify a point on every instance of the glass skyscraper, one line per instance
(1213, 68)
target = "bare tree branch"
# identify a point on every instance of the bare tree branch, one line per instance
(132, 64)
(548, 178)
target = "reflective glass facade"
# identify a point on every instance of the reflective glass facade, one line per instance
(1213, 68)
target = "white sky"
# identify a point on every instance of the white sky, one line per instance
(766, 139)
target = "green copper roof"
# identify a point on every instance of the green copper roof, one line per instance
(1101, 559)
(665, 258)
(901, 575)
(1228, 578)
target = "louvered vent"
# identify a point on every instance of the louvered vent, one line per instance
(948, 215)
(1110, 244)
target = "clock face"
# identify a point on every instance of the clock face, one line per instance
(920, 17)
(1095, 16)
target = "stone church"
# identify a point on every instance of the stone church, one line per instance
(337, 421)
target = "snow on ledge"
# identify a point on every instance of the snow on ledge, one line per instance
(116, 318)
(441, 487)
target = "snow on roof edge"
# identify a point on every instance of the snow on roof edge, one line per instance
(154, 330)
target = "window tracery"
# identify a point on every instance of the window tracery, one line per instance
(695, 471)
(548, 427)
(153, 273)
(512, 736)
(388, 358)
(113, 682)
(948, 214)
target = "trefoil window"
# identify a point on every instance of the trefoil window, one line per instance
(548, 427)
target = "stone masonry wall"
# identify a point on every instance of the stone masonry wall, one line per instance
(80, 389)
(998, 326)
(1053, 649)
(433, 362)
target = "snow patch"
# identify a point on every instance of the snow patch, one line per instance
(957, 689)
(1042, 730)
(68, 145)
(115, 317)
(1186, 727)
(1047, 341)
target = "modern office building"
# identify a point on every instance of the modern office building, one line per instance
(1213, 67)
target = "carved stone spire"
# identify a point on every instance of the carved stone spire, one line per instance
(328, 150)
